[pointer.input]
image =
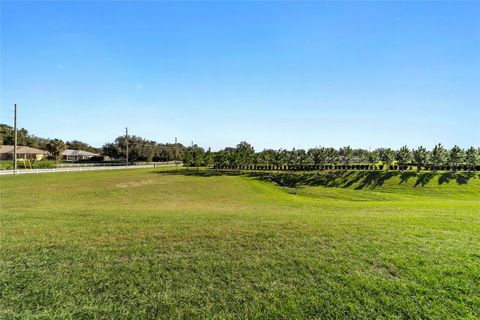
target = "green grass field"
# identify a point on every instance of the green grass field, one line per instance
(143, 244)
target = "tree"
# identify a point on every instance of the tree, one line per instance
(187, 158)
(219, 159)
(386, 156)
(472, 157)
(420, 156)
(373, 157)
(230, 155)
(79, 145)
(23, 138)
(318, 156)
(439, 156)
(56, 147)
(300, 157)
(266, 157)
(279, 158)
(360, 156)
(244, 153)
(331, 156)
(325, 155)
(456, 157)
(208, 158)
(346, 155)
(197, 155)
(139, 149)
(291, 158)
(403, 156)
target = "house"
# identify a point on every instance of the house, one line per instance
(25, 153)
(77, 155)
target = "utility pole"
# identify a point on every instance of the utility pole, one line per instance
(126, 146)
(15, 137)
(175, 151)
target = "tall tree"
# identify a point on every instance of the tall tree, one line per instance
(387, 156)
(279, 158)
(266, 157)
(331, 156)
(244, 153)
(456, 157)
(317, 156)
(472, 157)
(373, 157)
(301, 157)
(420, 156)
(360, 156)
(23, 138)
(197, 155)
(403, 156)
(346, 155)
(79, 145)
(208, 158)
(56, 147)
(187, 158)
(439, 156)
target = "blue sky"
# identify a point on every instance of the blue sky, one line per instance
(277, 74)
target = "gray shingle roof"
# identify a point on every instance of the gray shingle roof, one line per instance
(71, 152)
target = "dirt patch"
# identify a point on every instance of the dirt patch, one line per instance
(134, 183)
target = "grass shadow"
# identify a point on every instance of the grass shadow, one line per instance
(458, 177)
(424, 178)
(374, 179)
(405, 176)
(342, 179)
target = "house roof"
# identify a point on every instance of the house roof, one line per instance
(21, 149)
(71, 152)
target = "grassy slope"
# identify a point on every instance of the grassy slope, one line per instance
(143, 243)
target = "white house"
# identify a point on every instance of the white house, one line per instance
(76, 155)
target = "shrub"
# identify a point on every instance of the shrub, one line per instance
(6, 165)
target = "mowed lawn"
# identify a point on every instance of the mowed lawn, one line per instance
(145, 244)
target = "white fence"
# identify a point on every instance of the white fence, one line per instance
(91, 168)
(112, 164)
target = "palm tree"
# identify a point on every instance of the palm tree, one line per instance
(346, 155)
(244, 154)
(360, 156)
(56, 147)
(439, 156)
(456, 157)
(314, 155)
(219, 159)
(373, 158)
(403, 156)
(187, 157)
(472, 157)
(331, 156)
(301, 157)
(208, 158)
(420, 156)
(197, 155)
(386, 156)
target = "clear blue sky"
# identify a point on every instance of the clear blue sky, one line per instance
(277, 74)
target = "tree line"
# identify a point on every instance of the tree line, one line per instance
(244, 156)
(140, 149)
(55, 147)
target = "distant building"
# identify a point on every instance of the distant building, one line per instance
(25, 153)
(77, 155)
